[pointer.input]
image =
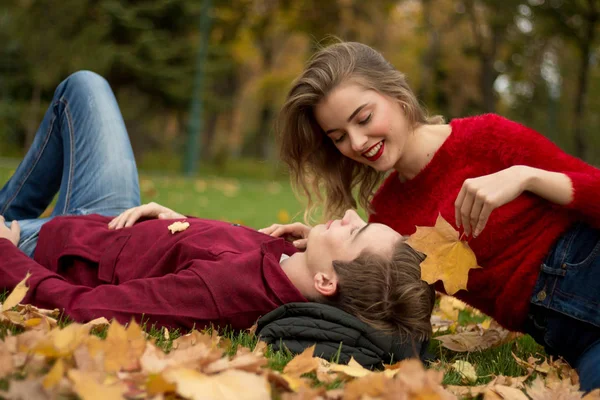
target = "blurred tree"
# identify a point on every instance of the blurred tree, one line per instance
(576, 21)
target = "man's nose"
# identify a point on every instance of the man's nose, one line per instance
(348, 217)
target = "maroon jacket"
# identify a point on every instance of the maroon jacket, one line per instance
(213, 272)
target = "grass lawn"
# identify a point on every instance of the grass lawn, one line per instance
(259, 203)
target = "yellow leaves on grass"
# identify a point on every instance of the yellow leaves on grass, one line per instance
(448, 258)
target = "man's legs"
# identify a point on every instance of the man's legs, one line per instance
(81, 148)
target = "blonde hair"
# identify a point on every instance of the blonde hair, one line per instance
(317, 168)
(386, 292)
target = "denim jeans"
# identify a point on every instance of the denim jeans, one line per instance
(82, 151)
(565, 305)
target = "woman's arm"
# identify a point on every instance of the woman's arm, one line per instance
(532, 163)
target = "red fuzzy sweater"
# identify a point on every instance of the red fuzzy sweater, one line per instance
(518, 235)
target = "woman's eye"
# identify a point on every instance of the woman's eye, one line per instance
(366, 120)
(340, 139)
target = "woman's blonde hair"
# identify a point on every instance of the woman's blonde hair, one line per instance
(317, 168)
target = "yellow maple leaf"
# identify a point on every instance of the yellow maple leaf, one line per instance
(448, 258)
(17, 295)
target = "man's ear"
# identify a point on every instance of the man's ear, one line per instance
(326, 284)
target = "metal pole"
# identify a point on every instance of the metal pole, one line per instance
(196, 120)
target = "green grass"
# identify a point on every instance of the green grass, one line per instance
(258, 203)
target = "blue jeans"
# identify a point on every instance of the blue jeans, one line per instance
(565, 306)
(82, 151)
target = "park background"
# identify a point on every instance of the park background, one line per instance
(216, 72)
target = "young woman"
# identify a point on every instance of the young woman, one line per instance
(529, 210)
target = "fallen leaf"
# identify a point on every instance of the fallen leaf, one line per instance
(95, 324)
(448, 258)
(156, 384)
(353, 369)
(7, 365)
(54, 375)
(509, 393)
(303, 363)
(466, 370)
(369, 386)
(17, 295)
(25, 390)
(231, 384)
(474, 341)
(178, 226)
(123, 347)
(87, 388)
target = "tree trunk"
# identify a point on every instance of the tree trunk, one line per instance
(582, 82)
(488, 76)
(429, 61)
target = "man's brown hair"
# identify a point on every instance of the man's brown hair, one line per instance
(386, 292)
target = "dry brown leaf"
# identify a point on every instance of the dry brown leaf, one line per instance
(95, 324)
(372, 385)
(324, 373)
(54, 375)
(25, 390)
(178, 226)
(474, 341)
(352, 370)
(509, 393)
(286, 382)
(154, 360)
(7, 365)
(87, 388)
(303, 363)
(16, 296)
(413, 381)
(123, 347)
(60, 342)
(231, 384)
(448, 258)
(244, 360)
(156, 384)
(538, 390)
(593, 395)
(191, 339)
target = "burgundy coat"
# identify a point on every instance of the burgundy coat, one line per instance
(213, 272)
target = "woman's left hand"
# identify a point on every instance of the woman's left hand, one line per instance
(478, 197)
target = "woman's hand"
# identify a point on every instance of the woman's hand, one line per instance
(151, 210)
(478, 197)
(13, 233)
(296, 233)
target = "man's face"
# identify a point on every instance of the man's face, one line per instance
(345, 239)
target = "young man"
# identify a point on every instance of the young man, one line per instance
(89, 264)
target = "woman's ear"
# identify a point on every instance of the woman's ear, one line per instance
(326, 284)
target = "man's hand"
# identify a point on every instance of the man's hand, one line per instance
(151, 210)
(13, 233)
(296, 233)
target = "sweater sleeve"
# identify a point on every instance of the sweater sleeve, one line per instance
(517, 144)
(173, 300)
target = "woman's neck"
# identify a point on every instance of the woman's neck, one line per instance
(419, 149)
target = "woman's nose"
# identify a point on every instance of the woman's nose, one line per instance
(358, 141)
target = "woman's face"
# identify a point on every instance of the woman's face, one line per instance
(364, 125)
